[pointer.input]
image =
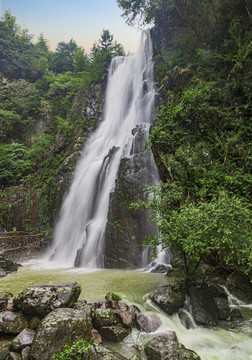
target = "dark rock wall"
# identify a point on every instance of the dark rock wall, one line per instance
(127, 227)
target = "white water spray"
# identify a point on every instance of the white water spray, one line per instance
(130, 94)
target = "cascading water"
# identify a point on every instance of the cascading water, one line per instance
(79, 234)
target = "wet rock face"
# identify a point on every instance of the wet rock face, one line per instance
(40, 300)
(168, 300)
(161, 348)
(54, 331)
(126, 227)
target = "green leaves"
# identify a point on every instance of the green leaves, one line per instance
(220, 228)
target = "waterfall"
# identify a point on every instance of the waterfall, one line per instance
(129, 102)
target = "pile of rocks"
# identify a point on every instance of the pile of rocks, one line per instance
(208, 304)
(37, 323)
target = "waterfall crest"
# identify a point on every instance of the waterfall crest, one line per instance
(129, 102)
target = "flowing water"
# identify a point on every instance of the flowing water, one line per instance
(79, 235)
(230, 341)
(80, 230)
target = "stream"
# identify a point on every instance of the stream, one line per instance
(229, 341)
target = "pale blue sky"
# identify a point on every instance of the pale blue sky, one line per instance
(81, 20)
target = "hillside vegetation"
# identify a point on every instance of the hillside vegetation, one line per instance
(201, 138)
(49, 103)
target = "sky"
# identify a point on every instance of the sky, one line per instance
(80, 20)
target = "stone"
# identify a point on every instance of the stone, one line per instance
(34, 322)
(204, 308)
(14, 356)
(114, 333)
(2, 273)
(104, 317)
(126, 317)
(220, 298)
(112, 296)
(147, 322)
(88, 308)
(40, 300)
(127, 228)
(56, 328)
(26, 353)
(168, 300)
(223, 309)
(12, 322)
(98, 352)
(3, 353)
(4, 296)
(186, 319)
(235, 315)
(8, 265)
(25, 338)
(96, 336)
(160, 348)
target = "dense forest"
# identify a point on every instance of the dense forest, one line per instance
(51, 101)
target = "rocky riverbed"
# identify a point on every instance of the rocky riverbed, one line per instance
(37, 323)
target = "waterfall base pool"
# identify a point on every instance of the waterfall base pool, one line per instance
(231, 341)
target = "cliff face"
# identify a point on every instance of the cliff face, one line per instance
(127, 227)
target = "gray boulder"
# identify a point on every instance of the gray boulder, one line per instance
(114, 333)
(25, 338)
(4, 352)
(204, 308)
(4, 296)
(56, 328)
(14, 356)
(98, 352)
(40, 300)
(104, 317)
(12, 322)
(147, 322)
(168, 300)
(160, 348)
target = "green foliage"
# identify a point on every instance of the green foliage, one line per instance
(218, 229)
(14, 163)
(74, 350)
(102, 54)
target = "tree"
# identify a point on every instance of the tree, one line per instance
(63, 58)
(102, 54)
(219, 230)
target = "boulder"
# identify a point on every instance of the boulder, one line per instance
(14, 356)
(112, 296)
(98, 352)
(126, 317)
(25, 338)
(204, 308)
(160, 348)
(2, 273)
(235, 315)
(26, 353)
(147, 322)
(56, 328)
(12, 322)
(8, 265)
(40, 300)
(104, 317)
(4, 296)
(3, 353)
(168, 300)
(88, 308)
(220, 298)
(114, 333)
